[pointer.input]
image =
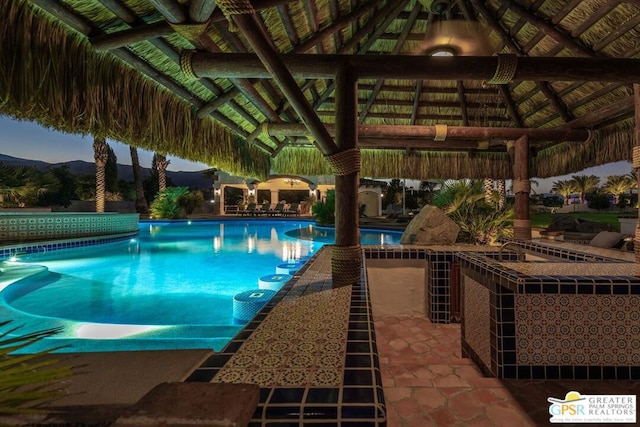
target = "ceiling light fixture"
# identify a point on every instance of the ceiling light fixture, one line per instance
(453, 37)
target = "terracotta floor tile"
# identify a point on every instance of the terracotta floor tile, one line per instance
(408, 408)
(395, 394)
(451, 382)
(429, 398)
(465, 406)
(428, 382)
(422, 421)
(443, 417)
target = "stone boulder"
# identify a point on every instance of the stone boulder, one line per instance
(430, 227)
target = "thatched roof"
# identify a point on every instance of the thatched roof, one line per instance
(112, 68)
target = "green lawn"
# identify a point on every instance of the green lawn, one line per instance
(543, 219)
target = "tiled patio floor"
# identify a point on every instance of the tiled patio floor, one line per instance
(427, 382)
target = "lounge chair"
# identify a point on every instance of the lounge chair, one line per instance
(262, 209)
(292, 210)
(251, 207)
(277, 210)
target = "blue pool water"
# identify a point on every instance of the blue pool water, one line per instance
(172, 287)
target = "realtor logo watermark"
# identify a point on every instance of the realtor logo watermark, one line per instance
(593, 408)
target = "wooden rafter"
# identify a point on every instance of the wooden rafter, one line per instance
(544, 87)
(396, 49)
(408, 67)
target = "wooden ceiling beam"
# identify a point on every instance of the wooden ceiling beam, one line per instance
(200, 10)
(410, 67)
(416, 101)
(463, 103)
(396, 49)
(591, 20)
(621, 107)
(429, 132)
(157, 29)
(169, 9)
(305, 46)
(238, 46)
(416, 144)
(548, 29)
(336, 26)
(512, 108)
(430, 117)
(285, 18)
(429, 89)
(385, 16)
(271, 61)
(77, 23)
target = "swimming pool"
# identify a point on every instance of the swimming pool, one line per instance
(172, 287)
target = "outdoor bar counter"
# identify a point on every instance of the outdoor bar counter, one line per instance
(551, 320)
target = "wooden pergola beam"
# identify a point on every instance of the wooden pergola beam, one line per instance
(160, 28)
(396, 49)
(409, 67)
(548, 29)
(269, 59)
(594, 118)
(518, 50)
(429, 132)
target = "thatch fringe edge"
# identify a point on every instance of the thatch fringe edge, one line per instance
(53, 77)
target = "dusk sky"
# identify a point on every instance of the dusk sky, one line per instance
(31, 141)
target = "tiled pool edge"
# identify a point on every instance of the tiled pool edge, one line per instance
(359, 401)
(11, 250)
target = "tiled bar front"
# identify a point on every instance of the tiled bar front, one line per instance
(551, 320)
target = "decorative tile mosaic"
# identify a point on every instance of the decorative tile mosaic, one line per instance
(301, 343)
(578, 330)
(355, 399)
(46, 226)
(560, 316)
(476, 318)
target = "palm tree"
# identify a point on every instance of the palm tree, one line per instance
(502, 194)
(488, 190)
(100, 155)
(141, 203)
(617, 185)
(585, 184)
(565, 188)
(161, 163)
(455, 194)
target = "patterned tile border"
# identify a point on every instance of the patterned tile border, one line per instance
(36, 227)
(8, 251)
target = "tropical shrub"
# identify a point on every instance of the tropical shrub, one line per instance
(190, 201)
(28, 380)
(598, 201)
(481, 223)
(324, 211)
(165, 205)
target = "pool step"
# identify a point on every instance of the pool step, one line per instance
(11, 272)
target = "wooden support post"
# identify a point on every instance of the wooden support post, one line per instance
(521, 188)
(346, 259)
(636, 160)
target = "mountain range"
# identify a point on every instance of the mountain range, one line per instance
(125, 172)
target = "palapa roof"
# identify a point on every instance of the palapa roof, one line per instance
(112, 68)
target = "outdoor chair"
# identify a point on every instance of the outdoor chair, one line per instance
(263, 209)
(251, 207)
(277, 210)
(292, 210)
